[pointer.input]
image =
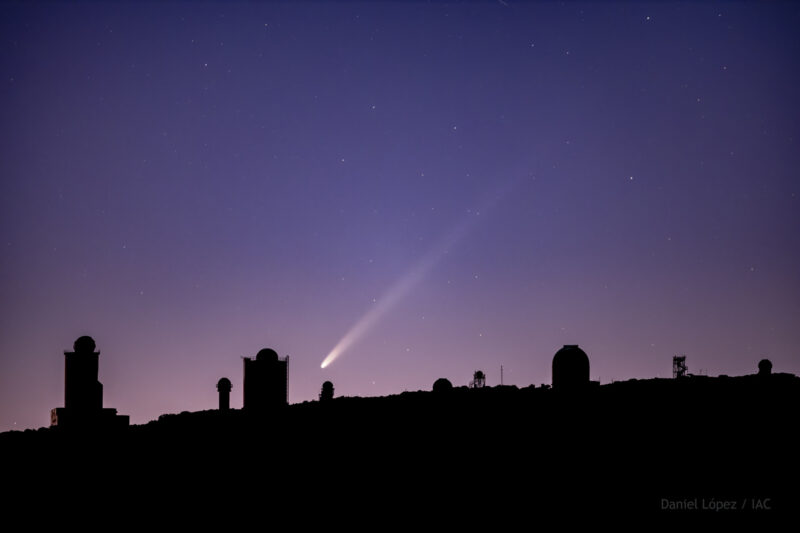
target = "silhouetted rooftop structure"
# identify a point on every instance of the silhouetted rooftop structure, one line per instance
(84, 344)
(224, 388)
(679, 368)
(478, 380)
(326, 394)
(442, 385)
(266, 381)
(764, 367)
(267, 354)
(570, 368)
(83, 393)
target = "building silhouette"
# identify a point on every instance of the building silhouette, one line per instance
(266, 381)
(83, 393)
(679, 368)
(478, 380)
(442, 385)
(764, 367)
(570, 368)
(224, 388)
(326, 394)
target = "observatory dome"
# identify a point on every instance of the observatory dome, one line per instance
(84, 344)
(442, 385)
(267, 354)
(570, 367)
(224, 385)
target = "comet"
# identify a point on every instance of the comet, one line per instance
(395, 293)
(385, 303)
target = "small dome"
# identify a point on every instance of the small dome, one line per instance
(442, 385)
(224, 385)
(764, 367)
(84, 344)
(570, 367)
(267, 354)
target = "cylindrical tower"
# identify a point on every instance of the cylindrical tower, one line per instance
(224, 388)
(82, 391)
(326, 394)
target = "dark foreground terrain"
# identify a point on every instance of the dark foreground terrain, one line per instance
(693, 447)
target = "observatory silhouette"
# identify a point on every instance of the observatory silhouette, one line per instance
(570, 368)
(266, 381)
(478, 380)
(442, 385)
(326, 394)
(83, 393)
(224, 388)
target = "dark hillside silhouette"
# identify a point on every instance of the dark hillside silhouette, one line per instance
(625, 448)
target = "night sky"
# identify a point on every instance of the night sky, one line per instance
(483, 181)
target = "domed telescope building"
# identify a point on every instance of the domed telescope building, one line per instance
(83, 393)
(570, 368)
(266, 381)
(224, 387)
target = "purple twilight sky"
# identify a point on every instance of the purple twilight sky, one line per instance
(191, 182)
